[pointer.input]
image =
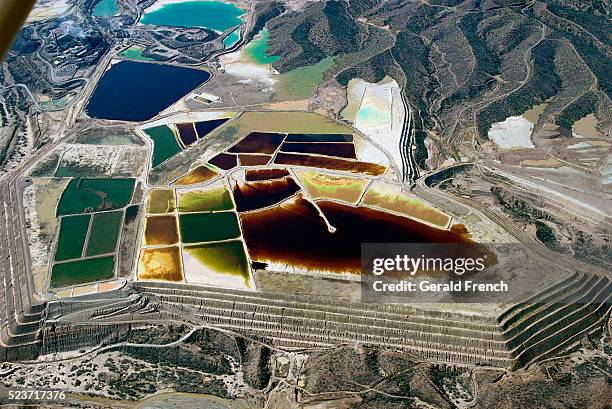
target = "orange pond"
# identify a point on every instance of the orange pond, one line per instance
(160, 230)
(294, 234)
(160, 264)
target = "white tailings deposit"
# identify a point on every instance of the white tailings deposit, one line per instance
(192, 116)
(240, 65)
(513, 133)
(378, 112)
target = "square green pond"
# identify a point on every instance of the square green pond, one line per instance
(204, 227)
(226, 257)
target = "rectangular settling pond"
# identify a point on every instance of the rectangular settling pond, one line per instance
(211, 199)
(205, 227)
(83, 195)
(73, 231)
(161, 201)
(82, 271)
(227, 258)
(104, 233)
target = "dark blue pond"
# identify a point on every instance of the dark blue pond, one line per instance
(135, 91)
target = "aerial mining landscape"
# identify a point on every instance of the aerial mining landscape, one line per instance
(188, 187)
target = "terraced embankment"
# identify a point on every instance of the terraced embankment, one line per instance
(21, 315)
(538, 328)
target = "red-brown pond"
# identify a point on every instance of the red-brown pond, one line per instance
(224, 161)
(294, 234)
(257, 195)
(187, 133)
(329, 163)
(265, 174)
(258, 142)
(342, 150)
(254, 160)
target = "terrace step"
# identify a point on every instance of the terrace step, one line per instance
(514, 314)
(589, 293)
(402, 312)
(352, 332)
(404, 321)
(287, 316)
(559, 340)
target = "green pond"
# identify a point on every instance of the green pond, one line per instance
(104, 233)
(135, 53)
(73, 231)
(165, 145)
(131, 212)
(106, 8)
(223, 258)
(203, 227)
(256, 49)
(82, 271)
(232, 38)
(214, 15)
(302, 82)
(86, 195)
(203, 201)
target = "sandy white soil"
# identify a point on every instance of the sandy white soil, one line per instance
(379, 115)
(193, 116)
(39, 250)
(606, 172)
(580, 145)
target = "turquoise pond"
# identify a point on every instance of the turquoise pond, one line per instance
(232, 38)
(106, 8)
(258, 47)
(214, 15)
(373, 115)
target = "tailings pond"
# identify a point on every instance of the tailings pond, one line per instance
(214, 15)
(135, 91)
